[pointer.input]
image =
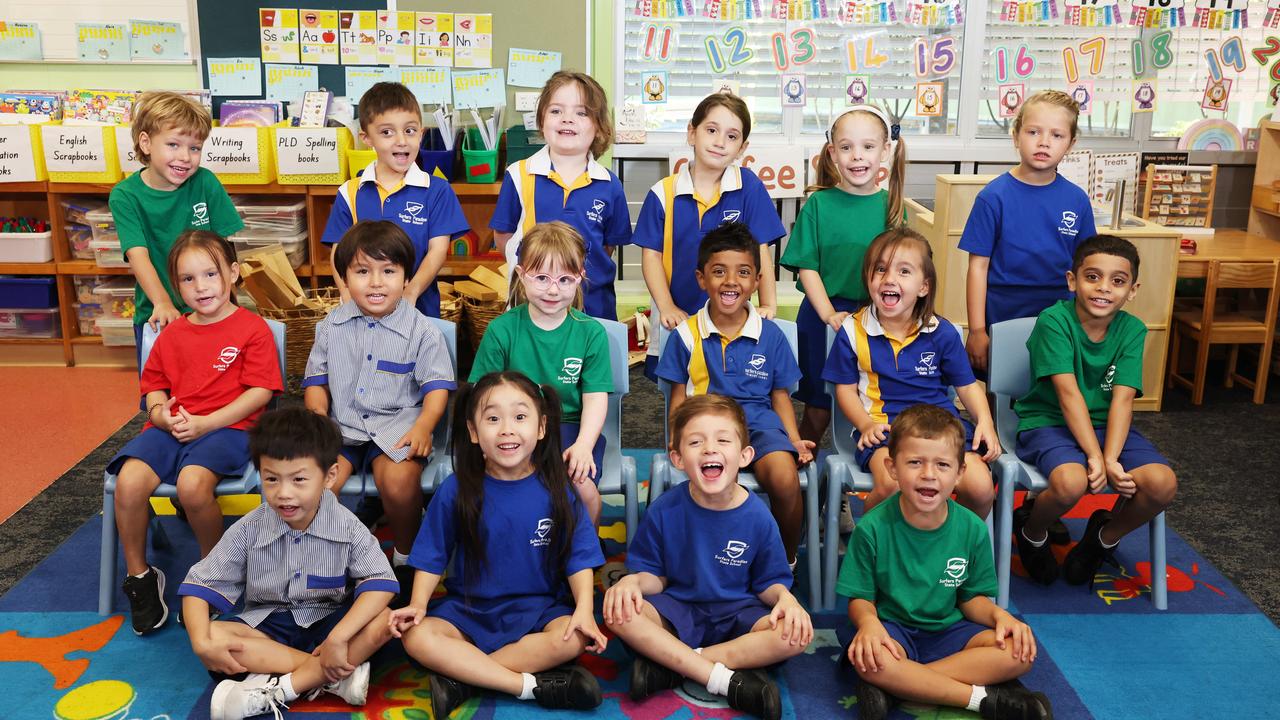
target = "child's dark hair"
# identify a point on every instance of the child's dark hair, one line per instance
(293, 433)
(594, 100)
(378, 240)
(890, 241)
(929, 422)
(732, 237)
(728, 101)
(384, 97)
(469, 467)
(709, 404)
(211, 244)
(1106, 245)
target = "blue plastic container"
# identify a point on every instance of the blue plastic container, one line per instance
(432, 156)
(34, 293)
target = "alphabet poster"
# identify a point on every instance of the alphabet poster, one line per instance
(319, 36)
(358, 33)
(395, 38)
(473, 40)
(279, 30)
(433, 44)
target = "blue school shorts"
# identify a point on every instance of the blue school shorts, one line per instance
(1049, 447)
(925, 647)
(569, 435)
(711, 623)
(770, 440)
(812, 336)
(281, 627)
(224, 451)
(864, 456)
(493, 624)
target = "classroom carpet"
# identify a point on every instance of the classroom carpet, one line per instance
(1105, 652)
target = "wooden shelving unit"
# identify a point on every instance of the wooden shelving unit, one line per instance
(1264, 205)
(43, 199)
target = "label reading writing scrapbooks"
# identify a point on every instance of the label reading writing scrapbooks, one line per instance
(17, 156)
(307, 151)
(74, 149)
(232, 151)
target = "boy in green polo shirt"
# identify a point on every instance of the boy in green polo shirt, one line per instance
(1074, 424)
(169, 195)
(917, 574)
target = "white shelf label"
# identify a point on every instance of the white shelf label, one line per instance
(307, 151)
(74, 148)
(232, 151)
(17, 157)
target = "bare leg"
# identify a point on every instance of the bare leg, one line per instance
(779, 478)
(400, 486)
(540, 651)
(882, 484)
(196, 487)
(134, 484)
(1156, 487)
(1067, 484)
(761, 647)
(948, 681)
(813, 425)
(442, 648)
(975, 490)
(310, 674)
(648, 635)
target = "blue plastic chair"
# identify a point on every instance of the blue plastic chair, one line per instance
(663, 475)
(618, 476)
(247, 482)
(1010, 378)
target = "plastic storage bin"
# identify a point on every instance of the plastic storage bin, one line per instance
(295, 246)
(522, 144)
(25, 293)
(75, 209)
(433, 158)
(481, 165)
(103, 224)
(108, 254)
(78, 239)
(87, 315)
(358, 160)
(116, 332)
(116, 297)
(29, 323)
(26, 247)
(275, 216)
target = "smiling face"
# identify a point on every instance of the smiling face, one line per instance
(1044, 137)
(294, 488)
(926, 470)
(711, 450)
(718, 140)
(729, 278)
(395, 136)
(1103, 284)
(566, 123)
(550, 288)
(205, 285)
(175, 156)
(897, 281)
(507, 426)
(859, 146)
(376, 285)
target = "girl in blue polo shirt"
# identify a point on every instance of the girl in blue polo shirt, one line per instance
(522, 547)
(563, 181)
(895, 353)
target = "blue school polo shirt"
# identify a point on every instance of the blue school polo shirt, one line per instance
(1030, 232)
(424, 207)
(594, 204)
(709, 555)
(674, 219)
(746, 368)
(891, 374)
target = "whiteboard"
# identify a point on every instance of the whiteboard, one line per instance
(58, 18)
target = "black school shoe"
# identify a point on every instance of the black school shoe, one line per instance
(146, 601)
(1039, 562)
(447, 694)
(873, 702)
(1008, 703)
(1086, 557)
(648, 677)
(404, 576)
(752, 692)
(569, 687)
(1058, 533)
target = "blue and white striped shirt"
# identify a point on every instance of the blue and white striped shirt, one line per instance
(278, 568)
(378, 370)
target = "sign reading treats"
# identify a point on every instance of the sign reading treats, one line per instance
(307, 151)
(129, 160)
(17, 156)
(75, 148)
(781, 169)
(232, 151)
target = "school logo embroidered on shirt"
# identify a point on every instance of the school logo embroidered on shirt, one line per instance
(200, 214)
(571, 370)
(732, 553)
(410, 214)
(542, 534)
(755, 366)
(1068, 226)
(226, 356)
(731, 216)
(1109, 378)
(596, 213)
(926, 366)
(955, 572)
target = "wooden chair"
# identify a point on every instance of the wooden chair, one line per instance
(1208, 325)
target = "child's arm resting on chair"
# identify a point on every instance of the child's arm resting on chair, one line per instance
(979, 609)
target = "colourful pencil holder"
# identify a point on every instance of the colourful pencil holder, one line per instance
(434, 159)
(481, 165)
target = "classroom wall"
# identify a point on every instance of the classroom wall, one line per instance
(69, 76)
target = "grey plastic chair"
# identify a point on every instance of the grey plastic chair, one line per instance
(618, 476)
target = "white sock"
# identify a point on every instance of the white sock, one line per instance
(286, 684)
(975, 698)
(792, 563)
(398, 558)
(698, 650)
(718, 684)
(529, 683)
(143, 573)
(1035, 543)
(1103, 543)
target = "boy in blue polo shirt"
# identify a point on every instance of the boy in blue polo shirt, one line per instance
(394, 188)
(708, 572)
(728, 349)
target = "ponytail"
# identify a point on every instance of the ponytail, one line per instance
(828, 174)
(897, 173)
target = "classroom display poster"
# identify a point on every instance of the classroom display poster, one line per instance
(358, 37)
(1009, 98)
(432, 86)
(102, 42)
(360, 79)
(1082, 92)
(235, 76)
(279, 30)
(472, 40)
(395, 38)
(479, 88)
(1145, 95)
(654, 88)
(156, 40)
(857, 89)
(794, 89)
(1077, 167)
(17, 155)
(318, 36)
(531, 68)
(1217, 93)
(19, 41)
(433, 44)
(1107, 169)
(289, 82)
(929, 99)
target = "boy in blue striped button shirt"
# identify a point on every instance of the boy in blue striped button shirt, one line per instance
(314, 580)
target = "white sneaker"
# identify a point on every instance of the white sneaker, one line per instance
(353, 688)
(846, 516)
(255, 695)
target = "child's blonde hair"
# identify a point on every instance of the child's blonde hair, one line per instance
(1056, 98)
(547, 244)
(889, 243)
(829, 174)
(593, 98)
(158, 111)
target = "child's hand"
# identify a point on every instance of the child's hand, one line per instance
(797, 626)
(584, 621)
(165, 418)
(333, 658)
(418, 440)
(804, 451)
(836, 319)
(985, 433)
(1024, 642)
(163, 314)
(623, 601)
(1120, 480)
(581, 465)
(768, 312)
(1097, 472)
(188, 427)
(862, 652)
(979, 346)
(673, 318)
(875, 435)
(216, 656)
(404, 618)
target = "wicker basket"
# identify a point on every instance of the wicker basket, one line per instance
(300, 331)
(451, 308)
(479, 313)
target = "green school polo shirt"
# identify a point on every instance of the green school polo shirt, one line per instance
(832, 234)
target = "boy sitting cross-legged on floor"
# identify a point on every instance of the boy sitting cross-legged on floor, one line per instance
(292, 559)
(708, 572)
(917, 574)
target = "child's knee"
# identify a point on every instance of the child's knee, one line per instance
(1069, 482)
(976, 486)
(1158, 482)
(196, 486)
(782, 646)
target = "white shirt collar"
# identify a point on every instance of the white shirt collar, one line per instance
(414, 176)
(871, 323)
(751, 328)
(730, 181)
(540, 164)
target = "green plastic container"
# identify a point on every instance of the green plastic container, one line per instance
(522, 144)
(480, 165)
